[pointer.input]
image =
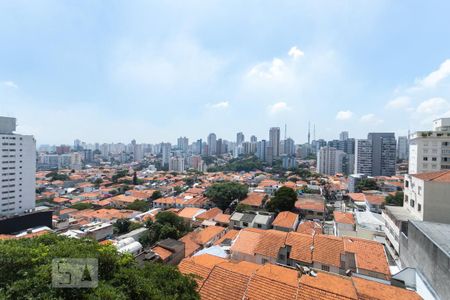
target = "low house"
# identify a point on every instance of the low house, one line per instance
(255, 200)
(189, 214)
(122, 200)
(222, 220)
(374, 202)
(260, 220)
(311, 208)
(310, 227)
(168, 251)
(286, 221)
(344, 224)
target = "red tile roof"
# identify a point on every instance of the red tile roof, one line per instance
(343, 217)
(441, 176)
(285, 219)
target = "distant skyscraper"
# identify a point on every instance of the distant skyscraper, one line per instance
(199, 147)
(343, 135)
(363, 157)
(212, 144)
(274, 141)
(239, 138)
(289, 147)
(261, 150)
(176, 164)
(384, 147)
(219, 147)
(183, 144)
(18, 187)
(165, 151)
(253, 139)
(77, 145)
(329, 160)
(402, 148)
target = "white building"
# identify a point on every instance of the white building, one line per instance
(75, 161)
(426, 198)
(274, 140)
(429, 151)
(329, 160)
(18, 169)
(212, 144)
(176, 164)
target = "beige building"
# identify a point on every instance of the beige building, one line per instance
(427, 198)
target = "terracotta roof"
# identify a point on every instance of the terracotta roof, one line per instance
(342, 217)
(199, 266)
(246, 241)
(222, 218)
(231, 234)
(371, 290)
(310, 204)
(254, 199)
(301, 246)
(162, 253)
(327, 286)
(273, 282)
(310, 227)
(207, 234)
(375, 199)
(442, 176)
(328, 249)
(189, 212)
(285, 219)
(210, 214)
(190, 247)
(270, 243)
(358, 197)
(370, 255)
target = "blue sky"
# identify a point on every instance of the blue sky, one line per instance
(154, 70)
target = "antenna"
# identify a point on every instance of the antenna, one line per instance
(285, 131)
(309, 133)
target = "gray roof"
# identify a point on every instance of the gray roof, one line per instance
(248, 218)
(263, 219)
(237, 216)
(438, 233)
(400, 213)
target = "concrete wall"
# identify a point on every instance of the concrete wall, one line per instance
(417, 251)
(437, 207)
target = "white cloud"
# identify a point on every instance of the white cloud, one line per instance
(221, 105)
(399, 103)
(344, 115)
(294, 52)
(268, 70)
(436, 76)
(371, 119)
(278, 108)
(10, 84)
(435, 105)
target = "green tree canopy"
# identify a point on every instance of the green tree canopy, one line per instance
(396, 200)
(26, 272)
(283, 200)
(156, 195)
(81, 206)
(167, 225)
(367, 185)
(222, 194)
(140, 205)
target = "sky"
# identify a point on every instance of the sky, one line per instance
(113, 71)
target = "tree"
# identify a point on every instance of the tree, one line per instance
(135, 179)
(395, 200)
(81, 206)
(367, 185)
(156, 195)
(26, 272)
(98, 181)
(224, 193)
(283, 200)
(140, 205)
(122, 226)
(243, 207)
(166, 225)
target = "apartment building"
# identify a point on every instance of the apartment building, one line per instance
(429, 151)
(376, 155)
(426, 198)
(18, 168)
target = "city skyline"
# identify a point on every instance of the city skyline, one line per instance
(141, 70)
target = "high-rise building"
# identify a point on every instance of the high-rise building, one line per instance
(219, 147)
(77, 145)
(183, 144)
(165, 151)
(363, 157)
(384, 147)
(261, 147)
(402, 148)
(239, 138)
(289, 147)
(212, 144)
(18, 170)
(343, 136)
(274, 141)
(429, 151)
(329, 160)
(253, 139)
(176, 164)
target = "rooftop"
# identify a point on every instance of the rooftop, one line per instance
(437, 232)
(441, 176)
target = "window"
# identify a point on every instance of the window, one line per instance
(419, 190)
(245, 224)
(411, 203)
(325, 268)
(434, 159)
(264, 261)
(281, 257)
(419, 207)
(406, 183)
(425, 158)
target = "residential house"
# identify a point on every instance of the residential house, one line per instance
(286, 221)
